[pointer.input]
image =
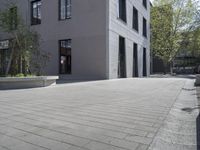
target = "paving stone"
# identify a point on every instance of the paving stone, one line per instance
(16, 144)
(112, 115)
(101, 146)
(142, 147)
(139, 139)
(123, 143)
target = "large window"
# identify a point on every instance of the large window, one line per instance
(65, 9)
(144, 62)
(135, 18)
(122, 58)
(36, 12)
(122, 10)
(144, 27)
(135, 60)
(65, 56)
(145, 3)
(13, 18)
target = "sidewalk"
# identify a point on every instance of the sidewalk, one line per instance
(179, 131)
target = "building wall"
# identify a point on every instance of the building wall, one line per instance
(117, 27)
(94, 29)
(86, 28)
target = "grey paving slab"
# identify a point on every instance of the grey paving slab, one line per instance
(123, 114)
(179, 131)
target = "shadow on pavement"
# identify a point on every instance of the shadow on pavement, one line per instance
(64, 81)
(198, 121)
(198, 132)
(187, 76)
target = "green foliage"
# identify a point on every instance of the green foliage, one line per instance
(24, 44)
(24, 75)
(169, 19)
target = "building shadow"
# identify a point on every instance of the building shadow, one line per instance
(198, 131)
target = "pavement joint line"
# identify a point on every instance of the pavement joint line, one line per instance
(63, 133)
(175, 99)
(37, 135)
(136, 109)
(95, 117)
(116, 113)
(41, 109)
(4, 147)
(61, 119)
(24, 141)
(60, 141)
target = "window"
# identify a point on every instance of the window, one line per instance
(144, 62)
(122, 10)
(144, 27)
(65, 8)
(36, 12)
(135, 60)
(13, 18)
(135, 18)
(145, 3)
(65, 56)
(122, 58)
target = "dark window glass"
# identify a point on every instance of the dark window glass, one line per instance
(135, 60)
(145, 3)
(36, 12)
(122, 58)
(144, 27)
(135, 19)
(65, 56)
(144, 62)
(65, 8)
(122, 10)
(13, 18)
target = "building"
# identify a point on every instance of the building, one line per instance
(92, 39)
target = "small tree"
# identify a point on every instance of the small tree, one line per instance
(169, 19)
(24, 44)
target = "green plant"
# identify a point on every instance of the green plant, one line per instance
(24, 44)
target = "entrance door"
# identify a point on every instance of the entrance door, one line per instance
(144, 63)
(135, 60)
(122, 58)
(65, 57)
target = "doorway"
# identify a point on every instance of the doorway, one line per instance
(65, 56)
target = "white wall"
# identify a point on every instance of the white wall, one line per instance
(117, 27)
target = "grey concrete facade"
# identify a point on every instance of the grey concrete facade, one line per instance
(94, 29)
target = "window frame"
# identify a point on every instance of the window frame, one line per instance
(32, 18)
(59, 46)
(137, 18)
(14, 17)
(144, 27)
(122, 15)
(145, 4)
(66, 10)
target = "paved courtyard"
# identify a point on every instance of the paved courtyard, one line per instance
(126, 114)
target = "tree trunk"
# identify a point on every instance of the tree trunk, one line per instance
(21, 65)
(165, 68)
(171, 67)
(10, 61)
